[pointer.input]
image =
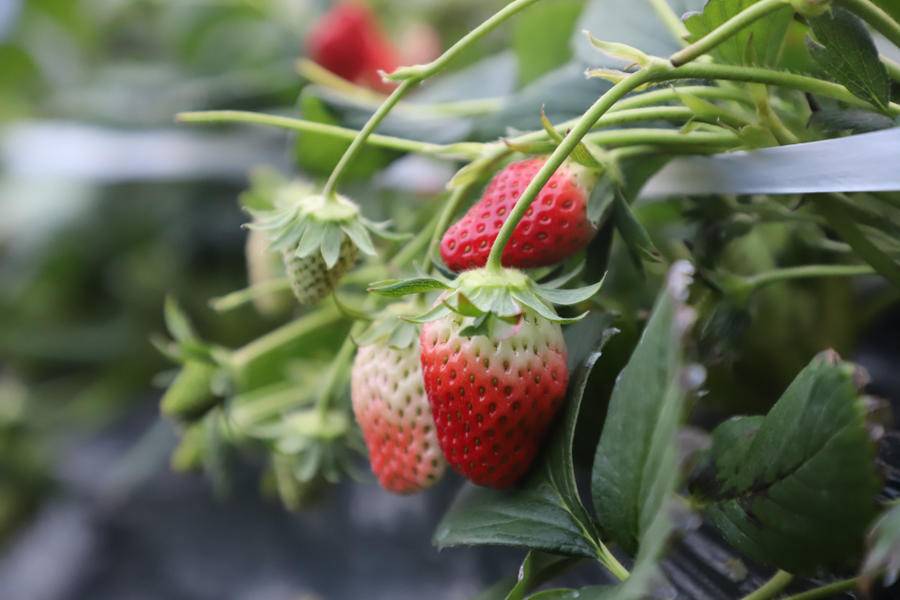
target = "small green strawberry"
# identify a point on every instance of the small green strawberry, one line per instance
(319, 238)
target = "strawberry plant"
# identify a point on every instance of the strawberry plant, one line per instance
(670, 246)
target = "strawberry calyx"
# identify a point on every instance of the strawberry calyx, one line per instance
(390, 328)
(486, 295)
(302, 224)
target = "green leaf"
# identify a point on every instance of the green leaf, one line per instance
(545, 512)
(883, 557)
(177, 322)
(594, 592)
(635, 469)
(635, 173)
(536, 569)
(189, 395)
(541, 35)
(758, 44)
(796, 488)
(637, 240)
(843, 48)
(394, 288)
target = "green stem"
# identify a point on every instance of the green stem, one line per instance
(673, 94)
(608, 560)
(727, 29)
(243, 116)
(759, 280)
(238, 298)
(286, 334)
(841, 221)
(457, 195)
(671, 20)
(826, 591)
(422, 72)
(359, 141)
(768, 76)
(662, 137)
(338, 368)
(892, 67)
(769, 589)
(409, 77)
(565, 148)
(875, 16)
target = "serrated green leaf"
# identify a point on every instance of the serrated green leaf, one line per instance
(761, 41)
(394, 288)
(796, 489)
(545, 512)
(843, 48)
(635, 470)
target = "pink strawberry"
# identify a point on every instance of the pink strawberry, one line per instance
(493, 397)
(391, 408)
(555, 226)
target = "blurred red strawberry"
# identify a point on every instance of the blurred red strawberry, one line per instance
(348, 42)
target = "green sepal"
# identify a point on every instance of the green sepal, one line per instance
(311, 241)
(189, 396)
(394, 288)
(382, 231)
(331, 245)
(391, 328)
(568, 297)
(177, 322)
(436, 312)
(359, 235)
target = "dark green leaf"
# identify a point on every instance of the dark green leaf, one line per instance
(545, 512)
(844, 49)
(635, 173)
(797, 487)
(760, 43)
(594, 592)
(402, 287)
(637, 240)
(635, 468)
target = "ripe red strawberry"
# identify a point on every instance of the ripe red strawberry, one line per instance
(555, 226)
(348, 42)
(391, 408)
(493, 398)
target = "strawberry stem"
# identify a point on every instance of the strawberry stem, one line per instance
(410, 77)
(726, 30)
(563, 150)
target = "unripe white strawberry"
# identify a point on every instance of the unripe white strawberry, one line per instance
(392, 410)
(311, 279)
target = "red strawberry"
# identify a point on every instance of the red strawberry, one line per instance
(391, 408)
(493, 398)
(555, 226)
(348, 42)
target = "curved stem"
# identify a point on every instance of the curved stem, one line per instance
(778, 582)
(875, 16)
(806, 272)
(727, 29)
(360, 139)
(421, 72)
(338, 368)
(457, 195)
(243, 116)
(608, 560)
(409, 77)
(671, 20)
(282, 336)
(563, 150)
(623, 137)
(761, 75)
(826, 591)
